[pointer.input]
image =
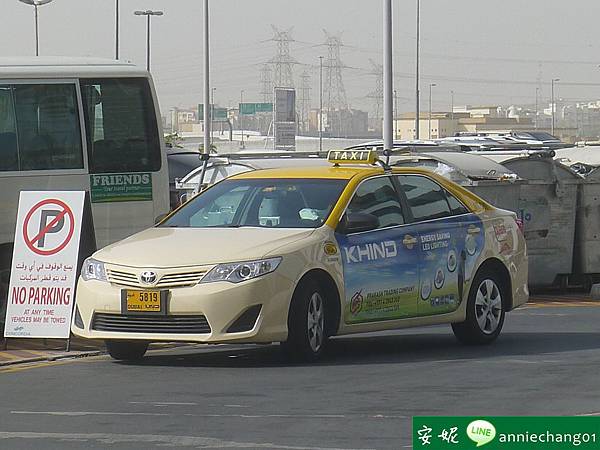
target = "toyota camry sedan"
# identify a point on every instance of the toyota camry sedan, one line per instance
(297, 255)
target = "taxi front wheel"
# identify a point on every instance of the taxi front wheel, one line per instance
(126, 350)
(306, 323)
(485, 311)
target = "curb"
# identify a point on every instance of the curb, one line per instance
(49, 358)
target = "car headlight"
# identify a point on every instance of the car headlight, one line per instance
(93, 270)
(241, 271)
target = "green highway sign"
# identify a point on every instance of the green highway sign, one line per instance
(218, 113)
(249, 109)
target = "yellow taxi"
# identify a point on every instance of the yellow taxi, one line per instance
(296, 255)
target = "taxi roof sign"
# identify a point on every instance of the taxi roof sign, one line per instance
(352, 156)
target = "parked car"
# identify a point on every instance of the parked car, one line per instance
(296, 255)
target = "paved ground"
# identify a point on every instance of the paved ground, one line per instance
(19, 351)
(362, 396)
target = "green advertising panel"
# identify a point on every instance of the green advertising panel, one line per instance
(510, 433)
(121, 187)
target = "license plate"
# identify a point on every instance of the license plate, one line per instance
(143, 301)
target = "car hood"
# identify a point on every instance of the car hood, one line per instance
(174, 247)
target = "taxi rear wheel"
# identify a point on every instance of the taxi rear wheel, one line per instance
(126, 350)
(307, 334)
(485, 311)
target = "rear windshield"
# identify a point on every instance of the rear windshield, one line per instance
(268, 203)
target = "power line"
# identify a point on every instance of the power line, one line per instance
(266, 83)
(377, 95)
(304, 99)
(335, 92)
(283, 62)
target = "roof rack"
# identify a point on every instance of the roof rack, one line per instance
(268, 155)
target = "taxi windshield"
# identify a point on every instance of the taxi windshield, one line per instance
(266, 203)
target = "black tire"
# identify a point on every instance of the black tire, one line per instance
(126, 350)
(489, 308)
(307, 338)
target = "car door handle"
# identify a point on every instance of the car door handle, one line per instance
(409, 240)
(474, 230)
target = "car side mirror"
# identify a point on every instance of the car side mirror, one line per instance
(358, 222)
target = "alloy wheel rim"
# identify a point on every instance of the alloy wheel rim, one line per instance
(316, 322)
(488, 306)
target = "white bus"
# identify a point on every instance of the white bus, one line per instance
(81, 124)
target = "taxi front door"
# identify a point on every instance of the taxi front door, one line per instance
(381, 272)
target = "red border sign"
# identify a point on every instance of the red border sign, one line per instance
(65, 211)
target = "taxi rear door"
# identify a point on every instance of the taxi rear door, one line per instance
(440, 223)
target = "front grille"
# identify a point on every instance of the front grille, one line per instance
(151, 324)
(168, 280)
(180, 279)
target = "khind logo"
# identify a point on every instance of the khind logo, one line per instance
(148, 277)
(371, 252)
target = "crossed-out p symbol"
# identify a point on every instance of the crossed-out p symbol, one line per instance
(53, 215)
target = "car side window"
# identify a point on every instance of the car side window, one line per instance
(456, 207)
(427, 199)
(378, 197)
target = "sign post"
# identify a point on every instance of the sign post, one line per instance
(44, 265)
(285, 119)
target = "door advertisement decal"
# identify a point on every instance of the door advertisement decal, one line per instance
(381, 277)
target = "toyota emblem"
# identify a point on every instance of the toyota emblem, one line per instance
(148, 277)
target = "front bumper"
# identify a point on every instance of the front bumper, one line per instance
(221, 303)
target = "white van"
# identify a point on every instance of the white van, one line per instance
(81, 124)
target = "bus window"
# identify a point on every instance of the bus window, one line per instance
(121, 126)
(39, 127)
(8, 131)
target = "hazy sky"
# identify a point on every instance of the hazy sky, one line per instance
(486, 51)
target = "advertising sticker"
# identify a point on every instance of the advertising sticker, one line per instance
(44, 265)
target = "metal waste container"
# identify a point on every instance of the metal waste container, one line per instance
(586, 259)
(547, 207)
(488, 179)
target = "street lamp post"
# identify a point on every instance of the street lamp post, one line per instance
(116, 29)
(35, 4)
(431, 85)
(452, 105)
(148, 13)
(241, 120)
(207, 125)
(320, 103)
(395, 114)
(212, 113)
(418, 94)
(537, 93)
(388, 82)
(554, 80)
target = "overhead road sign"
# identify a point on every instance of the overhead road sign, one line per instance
(217, 113)
(249, 109)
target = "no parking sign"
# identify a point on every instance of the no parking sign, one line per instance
(44, 266)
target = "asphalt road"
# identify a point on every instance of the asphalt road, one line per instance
(362, 396)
